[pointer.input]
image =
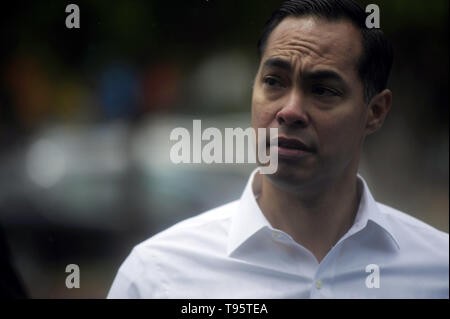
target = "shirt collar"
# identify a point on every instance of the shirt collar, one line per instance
(369, 210)
(248, 219)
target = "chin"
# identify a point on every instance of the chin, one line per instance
(292, 179)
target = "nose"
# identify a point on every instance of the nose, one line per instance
(293, 113)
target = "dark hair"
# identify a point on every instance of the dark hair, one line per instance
(375, 62)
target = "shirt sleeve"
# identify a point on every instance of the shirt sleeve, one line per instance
(140, 276)
(125, 283)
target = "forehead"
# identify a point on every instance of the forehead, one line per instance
(316, 42)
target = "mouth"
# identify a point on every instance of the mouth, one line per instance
(291, 148)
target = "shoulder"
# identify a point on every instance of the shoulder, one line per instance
(406, 221)
(148, 269)
(412, 232)
(213, 222)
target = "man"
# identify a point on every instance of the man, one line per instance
(312, 229)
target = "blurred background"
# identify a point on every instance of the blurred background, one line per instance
(85, 118)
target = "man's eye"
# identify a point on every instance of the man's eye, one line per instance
(272, 81)
(324, 91)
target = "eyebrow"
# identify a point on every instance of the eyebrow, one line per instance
(321, 75)
(277, 63)
(317, 75)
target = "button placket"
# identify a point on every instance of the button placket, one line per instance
(319, 284)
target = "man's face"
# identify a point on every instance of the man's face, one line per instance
(308, 87)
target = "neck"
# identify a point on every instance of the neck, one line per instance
(316, 221)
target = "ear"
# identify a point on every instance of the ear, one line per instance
(378, 108)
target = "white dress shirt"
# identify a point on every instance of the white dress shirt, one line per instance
(232, 251)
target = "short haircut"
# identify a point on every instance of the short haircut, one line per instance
(375, 62)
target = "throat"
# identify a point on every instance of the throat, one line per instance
(317, 224)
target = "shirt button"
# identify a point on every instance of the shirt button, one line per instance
(276, 235)
(318, 284)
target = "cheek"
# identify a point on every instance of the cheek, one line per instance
(339, 132)
(262, 114)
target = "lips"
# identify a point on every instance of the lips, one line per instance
(292, 144)
(292, 149)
